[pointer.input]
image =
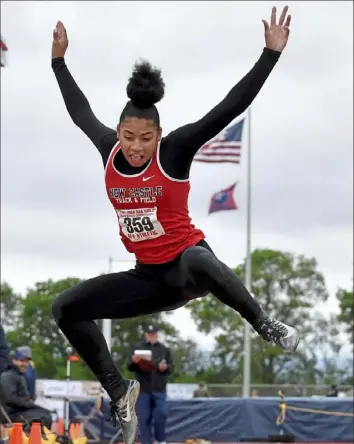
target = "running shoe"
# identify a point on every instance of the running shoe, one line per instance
(124, 412)
(281, 334)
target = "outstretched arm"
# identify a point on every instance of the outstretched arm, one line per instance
(76, 103)
(187, 140)
(194, 135)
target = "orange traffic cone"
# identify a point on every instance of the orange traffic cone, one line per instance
(75, 430)
(35, 436)
(72, 431)
(16, 434)
(60, 427)
(78, 430)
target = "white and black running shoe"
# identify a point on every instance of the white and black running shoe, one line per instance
(124, 412)
(281, 334)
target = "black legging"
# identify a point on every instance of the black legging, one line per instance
(144, 290)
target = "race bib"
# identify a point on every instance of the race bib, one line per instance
(140, 224)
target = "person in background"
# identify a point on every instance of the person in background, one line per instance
(332, 392)
(4, 351)
(254, 394)
(201, 391)
(30, 374)
(152, 372)
(15, 397)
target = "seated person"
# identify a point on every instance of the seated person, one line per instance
(15, 397)
(332, 392)
(201, 391)
(30, 374)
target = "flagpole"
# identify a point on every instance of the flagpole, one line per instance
(248, 271)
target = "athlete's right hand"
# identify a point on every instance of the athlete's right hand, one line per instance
(60, 41)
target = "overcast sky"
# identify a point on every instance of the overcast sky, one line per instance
(56, 220)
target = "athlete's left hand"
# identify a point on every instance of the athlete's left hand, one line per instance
(277, 35)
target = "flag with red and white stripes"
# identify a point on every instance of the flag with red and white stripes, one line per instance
(224, 148)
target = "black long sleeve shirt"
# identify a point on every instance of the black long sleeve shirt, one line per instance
(179, 147)
(152, 380)
(14, 392)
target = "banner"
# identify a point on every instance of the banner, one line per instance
(59, 389)
(181, 391)
(82, 389)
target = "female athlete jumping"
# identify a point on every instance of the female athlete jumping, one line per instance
(147, 182)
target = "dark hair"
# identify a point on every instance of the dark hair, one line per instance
(145, 88)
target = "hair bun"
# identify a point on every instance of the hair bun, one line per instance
(146, 86)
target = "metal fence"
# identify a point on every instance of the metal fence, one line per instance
(230, 390)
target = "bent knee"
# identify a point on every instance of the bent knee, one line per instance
(197, 259)
(61, 308)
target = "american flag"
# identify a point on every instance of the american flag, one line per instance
(224, 148)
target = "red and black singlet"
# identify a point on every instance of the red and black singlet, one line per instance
(152, 211)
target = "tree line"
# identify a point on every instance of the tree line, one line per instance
(289, 287)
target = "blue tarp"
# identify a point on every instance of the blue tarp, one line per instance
(234, 419)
